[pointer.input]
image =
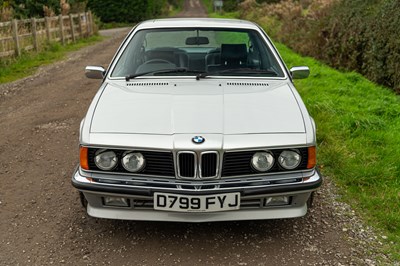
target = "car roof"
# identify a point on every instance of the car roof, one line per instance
(197, 22)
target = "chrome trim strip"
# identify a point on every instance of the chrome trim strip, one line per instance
(217, 165)
(176, 184)
(140, 176)
(127, 174)
(305, 171)
(178, 165)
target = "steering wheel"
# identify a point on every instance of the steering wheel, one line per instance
(157, 61)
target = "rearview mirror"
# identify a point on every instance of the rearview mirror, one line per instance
(196, 40)
(300, 72)
(95, 72)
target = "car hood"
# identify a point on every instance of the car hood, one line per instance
(197, 107)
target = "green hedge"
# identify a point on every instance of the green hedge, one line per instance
(230, 5)
(365, 36)
(30, 8)
(355, 35)
(130, 11)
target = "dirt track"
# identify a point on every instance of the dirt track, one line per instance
(193, 8)
(42, 222)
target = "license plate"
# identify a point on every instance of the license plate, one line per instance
(202, 203)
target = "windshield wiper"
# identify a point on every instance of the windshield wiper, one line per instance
(237, 71)
(159, 71)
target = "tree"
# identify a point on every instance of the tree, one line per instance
(126, 10)
(119, 11)
(33, 8)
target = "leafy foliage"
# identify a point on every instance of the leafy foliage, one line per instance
(117, 11)
(21, 9)
(34, 8)
(364, 36)
(230, 5)
(355, 35)
(126, 10)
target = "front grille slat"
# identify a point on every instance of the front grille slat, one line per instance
(186, 164)
(209, 163)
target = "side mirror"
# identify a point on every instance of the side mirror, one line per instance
(95, 72)
(300, 72)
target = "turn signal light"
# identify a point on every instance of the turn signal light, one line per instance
(312, 157)
(84, 158)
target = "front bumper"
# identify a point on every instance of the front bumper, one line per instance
(139, 192)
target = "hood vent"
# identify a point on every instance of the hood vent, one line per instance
(246, 84)
(147, 84)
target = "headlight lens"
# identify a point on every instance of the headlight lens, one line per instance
(133, 161)
(289, 159)
(262, 161)
(105, 160)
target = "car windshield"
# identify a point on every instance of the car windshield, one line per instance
(190, 51)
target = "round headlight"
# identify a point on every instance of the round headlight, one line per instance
(289, 159)
(133, 161)
(262, 161)
(105, 160)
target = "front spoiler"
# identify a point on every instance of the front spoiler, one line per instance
(240, 215)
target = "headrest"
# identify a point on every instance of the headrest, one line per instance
(235, 52)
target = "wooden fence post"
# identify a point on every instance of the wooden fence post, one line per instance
(87, 24)
(61, 22)
(71, 22)
(34, 34)
(80, 25)
(15, 36)
(47, 23)
(91, 23)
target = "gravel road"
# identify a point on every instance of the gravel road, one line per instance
(42, 222)
(193, 8)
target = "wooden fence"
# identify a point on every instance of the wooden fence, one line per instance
(35, 33)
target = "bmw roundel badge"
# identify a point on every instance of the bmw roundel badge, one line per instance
(198, 139)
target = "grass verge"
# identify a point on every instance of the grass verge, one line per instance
(208, 4)
(358, 138)
(12, 69)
